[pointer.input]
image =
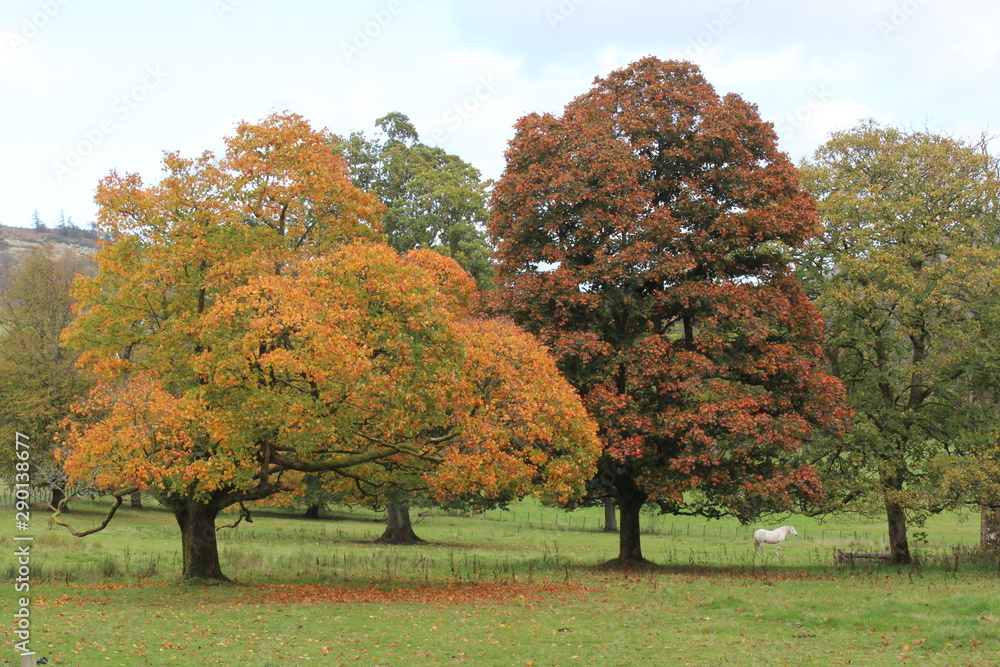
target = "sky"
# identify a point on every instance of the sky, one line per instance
(90, 87)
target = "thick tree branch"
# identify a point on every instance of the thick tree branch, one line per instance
(119, 499)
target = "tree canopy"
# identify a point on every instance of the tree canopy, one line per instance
(38, 379)
(247, 326)
(905, 275)
(644, 236)
(433, 199)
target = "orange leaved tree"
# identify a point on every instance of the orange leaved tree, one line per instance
(247, 326)
(516, 426)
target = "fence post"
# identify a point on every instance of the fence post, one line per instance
(29, 660)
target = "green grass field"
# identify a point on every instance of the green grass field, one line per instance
(524, 587)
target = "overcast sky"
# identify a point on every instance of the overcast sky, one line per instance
(110, 84)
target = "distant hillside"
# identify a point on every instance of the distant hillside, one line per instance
(15, 240)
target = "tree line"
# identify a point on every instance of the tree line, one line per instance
(651, 305)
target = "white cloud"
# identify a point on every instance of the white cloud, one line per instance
(805, 128)
(23, 71)
(724, 65)
(483, 64)
(612, 58)
(464, 66)
(979, 48)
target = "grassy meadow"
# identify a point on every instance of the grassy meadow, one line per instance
(521, 587)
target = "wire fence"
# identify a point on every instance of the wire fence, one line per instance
(35, 495)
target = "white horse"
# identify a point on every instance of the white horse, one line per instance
(776, 536)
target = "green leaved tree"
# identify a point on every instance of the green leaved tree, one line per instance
(433, 199)
(38, 378)
(906, 275)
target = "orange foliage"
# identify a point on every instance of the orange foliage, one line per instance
(525, 423)
(247, 325)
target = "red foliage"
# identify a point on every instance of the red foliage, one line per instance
(644, 235)
(287, 594)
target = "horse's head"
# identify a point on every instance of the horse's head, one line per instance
(791, 531)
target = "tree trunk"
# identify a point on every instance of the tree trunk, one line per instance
(610, 515)
(199, 547)
(989, 527)
(58, 496)
(398, 529)
(898, 546)
(630, 502)
(312, 512)
(136, 500)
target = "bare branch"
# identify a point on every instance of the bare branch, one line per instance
(244, 514)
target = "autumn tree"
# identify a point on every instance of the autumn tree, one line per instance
(515, 439)
(644, 236)
(522, 429)
(247, 327)
(905, 275)
(38, 379)
(433, 199)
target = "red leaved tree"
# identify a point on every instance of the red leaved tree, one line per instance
(643, 235)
